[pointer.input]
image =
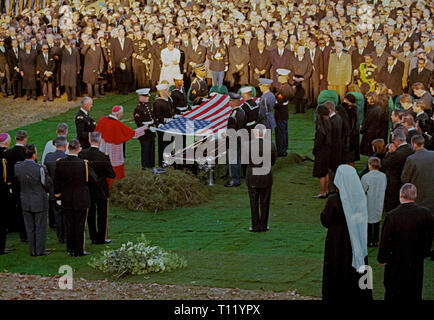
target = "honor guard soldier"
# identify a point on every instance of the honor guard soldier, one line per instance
(178, 95)
(84, 123)
(97, 219)
(266, 104)
(163, 113)
(199, 89)
(71, 189)
(236, 122)
(143, 115)
(283, 94)
(250, 107)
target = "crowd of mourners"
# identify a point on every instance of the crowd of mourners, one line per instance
(365, 66)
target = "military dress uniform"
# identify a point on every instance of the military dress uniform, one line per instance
(283, 95)
(251, 110)
(179, 98)
(71, 187)
(84, 125)
(198, 90)
(141, 63)
(143, 115)
(99, 193)
(163, 113)
(236, 121)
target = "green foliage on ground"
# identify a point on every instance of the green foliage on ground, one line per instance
(137, 259)
(146, 191)
(213, 237)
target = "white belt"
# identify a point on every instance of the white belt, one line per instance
(285, 103)
(182, 109)
(167, 119)
(148, 122)
(251, 123)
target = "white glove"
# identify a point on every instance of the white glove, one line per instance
(226, 68)
(59, 202)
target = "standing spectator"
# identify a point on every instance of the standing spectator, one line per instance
(4, 69)
(339, 71)
(121, 49)
(336, 127)
(259, 185)
(61, 131)
(170, 59)
(283, 95)
(238, 70)
(5, 185)
(55, 217)
(84, 123)
(27, 66)
(371, 128)
(419, 170)
(34, 183)
(374, 184)
(93, 67)
(420, 74)
(218, 61)
(393, 163)
(422, 94)
(391, 75)
(45, 68)
(99, 191)
(13, 57)
(259, 63)
(351, 129)
(322, 149)
(279, 59)
(317, 62)
(406, 240)
(70, 68)
(14, 155)
(71, 188)
(345, 254)
(301, 68)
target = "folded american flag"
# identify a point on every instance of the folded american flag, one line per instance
(204, 119)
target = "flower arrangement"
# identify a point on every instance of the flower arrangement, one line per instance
(137, 259)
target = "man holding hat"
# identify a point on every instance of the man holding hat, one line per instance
(236, 122)
(283, 94)
(163, 113)
(199, 88)
(143, 115)
(113, 135)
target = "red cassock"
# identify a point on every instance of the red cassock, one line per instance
(114, 133)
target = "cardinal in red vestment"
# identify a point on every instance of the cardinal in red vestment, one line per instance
(113, 135)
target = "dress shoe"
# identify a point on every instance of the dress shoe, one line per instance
(251, 230)
(320, 196)
(86, 253)
(44, 253)
(232, 184)
(285, 154)
(107, 241)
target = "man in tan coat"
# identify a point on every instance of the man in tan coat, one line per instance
(238, 73)
(339, 71)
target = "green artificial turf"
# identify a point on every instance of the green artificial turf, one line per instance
(213, 237)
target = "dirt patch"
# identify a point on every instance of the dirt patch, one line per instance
(19, 112)
(15, 286)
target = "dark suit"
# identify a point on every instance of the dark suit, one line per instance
(419, 170)
(279, 61)
(163, 110)
(93, 67)
(16, 222)
(17, 80)
(34, 182)
(55, 211)
(69, 69)
(317, 70)
(261, 61)
(5, 199)
(337, 147)
(4, 70)
(99, 192)
(122, 56)
(47, 80)
(394, 163)
(406, 240)
(259, 186)
(27, 65)
(71, 186)
(424, 77)
(371, 129)
(393, 79)
(84, 125)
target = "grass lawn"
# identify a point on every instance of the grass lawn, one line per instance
(213, 237)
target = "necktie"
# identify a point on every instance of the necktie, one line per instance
(46, 58)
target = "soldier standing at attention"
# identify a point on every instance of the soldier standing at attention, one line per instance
(71, 189)
(236, 122)
(163, 113)
(283, 95)
(199, 88)
(143, 115)
(84, 123)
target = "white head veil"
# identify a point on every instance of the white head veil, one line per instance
(355, 208)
